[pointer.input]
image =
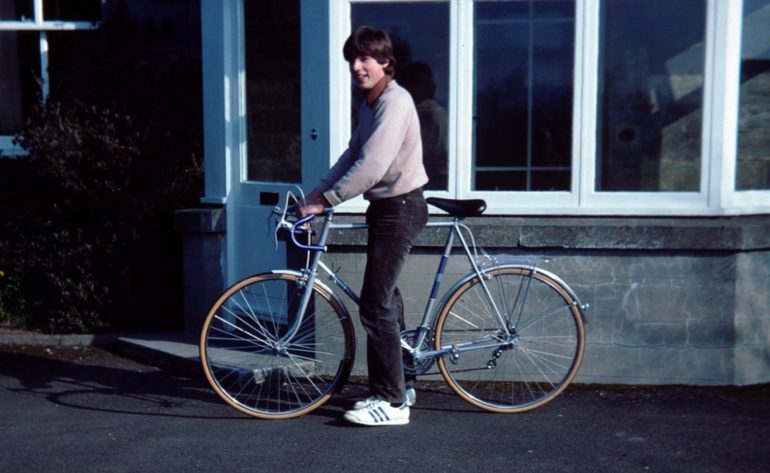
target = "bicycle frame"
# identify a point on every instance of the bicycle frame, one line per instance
(310, 273)
(506, 336)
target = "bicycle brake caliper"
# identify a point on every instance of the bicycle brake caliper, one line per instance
(302, 282)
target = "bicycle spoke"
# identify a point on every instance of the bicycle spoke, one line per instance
(513, 368)
(543, 316)
(255, 367)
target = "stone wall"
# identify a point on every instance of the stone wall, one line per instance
(672, 301)
(203, 254)
(752, 317)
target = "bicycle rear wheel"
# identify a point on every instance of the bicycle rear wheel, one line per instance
(525, 363)
(250, 365)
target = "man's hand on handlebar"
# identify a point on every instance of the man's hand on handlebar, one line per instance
(314, 204)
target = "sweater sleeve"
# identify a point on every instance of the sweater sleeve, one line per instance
(342, 165)
(377, 152)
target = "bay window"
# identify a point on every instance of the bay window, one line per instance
(581, 106)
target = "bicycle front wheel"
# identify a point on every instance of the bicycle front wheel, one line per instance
(516, 339)
(254, 363)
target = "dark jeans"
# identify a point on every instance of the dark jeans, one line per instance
(394, 224)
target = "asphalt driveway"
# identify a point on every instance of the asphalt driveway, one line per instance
(92, 409)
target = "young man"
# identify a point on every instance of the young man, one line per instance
(384, 163)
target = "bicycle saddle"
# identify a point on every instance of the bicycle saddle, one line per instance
(459, 208)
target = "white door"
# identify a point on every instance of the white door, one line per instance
(284, 137)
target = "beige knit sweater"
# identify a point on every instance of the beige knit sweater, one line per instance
(384, 155)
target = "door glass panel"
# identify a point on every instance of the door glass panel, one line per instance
(651, 95)
(753, 169)
(272, 48)
(523, 78)
(420, 35)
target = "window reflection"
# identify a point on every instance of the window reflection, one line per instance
(753, 170)
(420, 35)
(651, 95)
(523, 94)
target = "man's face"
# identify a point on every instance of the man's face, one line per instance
(366, 71)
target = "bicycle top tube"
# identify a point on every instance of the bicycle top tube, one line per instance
(459, 209)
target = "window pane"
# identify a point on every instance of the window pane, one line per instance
(19, 66)
(72, 10)
(10, 74)
(273, 90)
(753, 170)
(651, 95)
(66, 10)
(523, 52)
(420, 35)
(16, 10)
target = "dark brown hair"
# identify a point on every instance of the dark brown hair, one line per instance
(368, 41)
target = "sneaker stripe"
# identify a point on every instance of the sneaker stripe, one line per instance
(384, 414)
(373, 413)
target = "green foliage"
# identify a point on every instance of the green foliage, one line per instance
(82, 251)
(12, 302)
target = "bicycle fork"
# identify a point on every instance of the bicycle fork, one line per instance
(309, 276)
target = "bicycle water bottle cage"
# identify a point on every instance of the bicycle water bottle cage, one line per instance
(459, 208)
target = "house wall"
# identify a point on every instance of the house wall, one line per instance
(752, 317)
(672, 301)
(203, 265)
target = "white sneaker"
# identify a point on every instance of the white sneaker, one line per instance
(362, 404)
(411, 398)
(378, 412)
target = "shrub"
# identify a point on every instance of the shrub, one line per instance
(95, 248)
(13, 306)
(86, 236)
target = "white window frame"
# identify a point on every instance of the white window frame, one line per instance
(721, 88)
(42, 26)
(630, 203)
(727, 70)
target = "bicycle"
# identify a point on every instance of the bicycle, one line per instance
(508, 337)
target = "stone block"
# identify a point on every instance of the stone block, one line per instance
(203, 250)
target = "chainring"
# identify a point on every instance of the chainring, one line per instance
(411, 366)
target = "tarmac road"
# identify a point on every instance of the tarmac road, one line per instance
(90, 409)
